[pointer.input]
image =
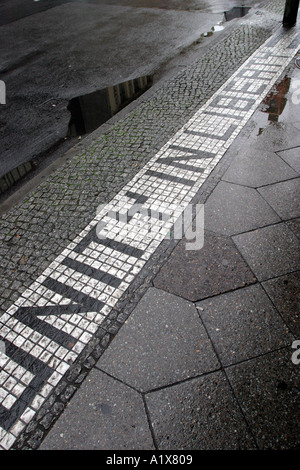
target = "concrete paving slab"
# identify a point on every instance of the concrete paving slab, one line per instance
(287, 137)
(292, 157)
(255, 169)
(103, 415)
(270, 251)
(297, 125)
(294, 225)
(195, 275)
(284, 198)
(243, 324)
(200, 414)
(232, 209)
(271, 136)
(284, 292)
(268, 390)
(162, 342)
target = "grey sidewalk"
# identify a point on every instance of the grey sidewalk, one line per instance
(132, 341)
(204, 360)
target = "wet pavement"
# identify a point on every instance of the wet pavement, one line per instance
(72, 50)
(47, 66)
(53, 52)
(133, 340)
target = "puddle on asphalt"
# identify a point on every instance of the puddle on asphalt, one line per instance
(89, 111)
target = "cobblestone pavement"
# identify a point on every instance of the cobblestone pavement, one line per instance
(71, 276)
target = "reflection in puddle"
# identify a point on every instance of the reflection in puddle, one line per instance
(275, 102)
(236, 12)
(90, 111)
(217, 27)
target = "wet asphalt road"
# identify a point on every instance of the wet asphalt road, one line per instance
(53, 51)
(18, 9)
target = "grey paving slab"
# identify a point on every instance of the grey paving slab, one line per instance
(270, 251)
(287, 137)
(200, 414)
(257, 168)
(162, 342)
(232, 209)
(268, 390)
(284, 197)
(294, 225)
(274, 136)
(103, 415)
(194, 275)
(243, 324)
(292, 157)
(285, 294)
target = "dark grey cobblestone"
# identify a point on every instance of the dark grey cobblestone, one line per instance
(32, 426)
(38, 229)
(35, 440)
(47, 421)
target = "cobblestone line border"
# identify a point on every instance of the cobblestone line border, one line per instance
(90, 353)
